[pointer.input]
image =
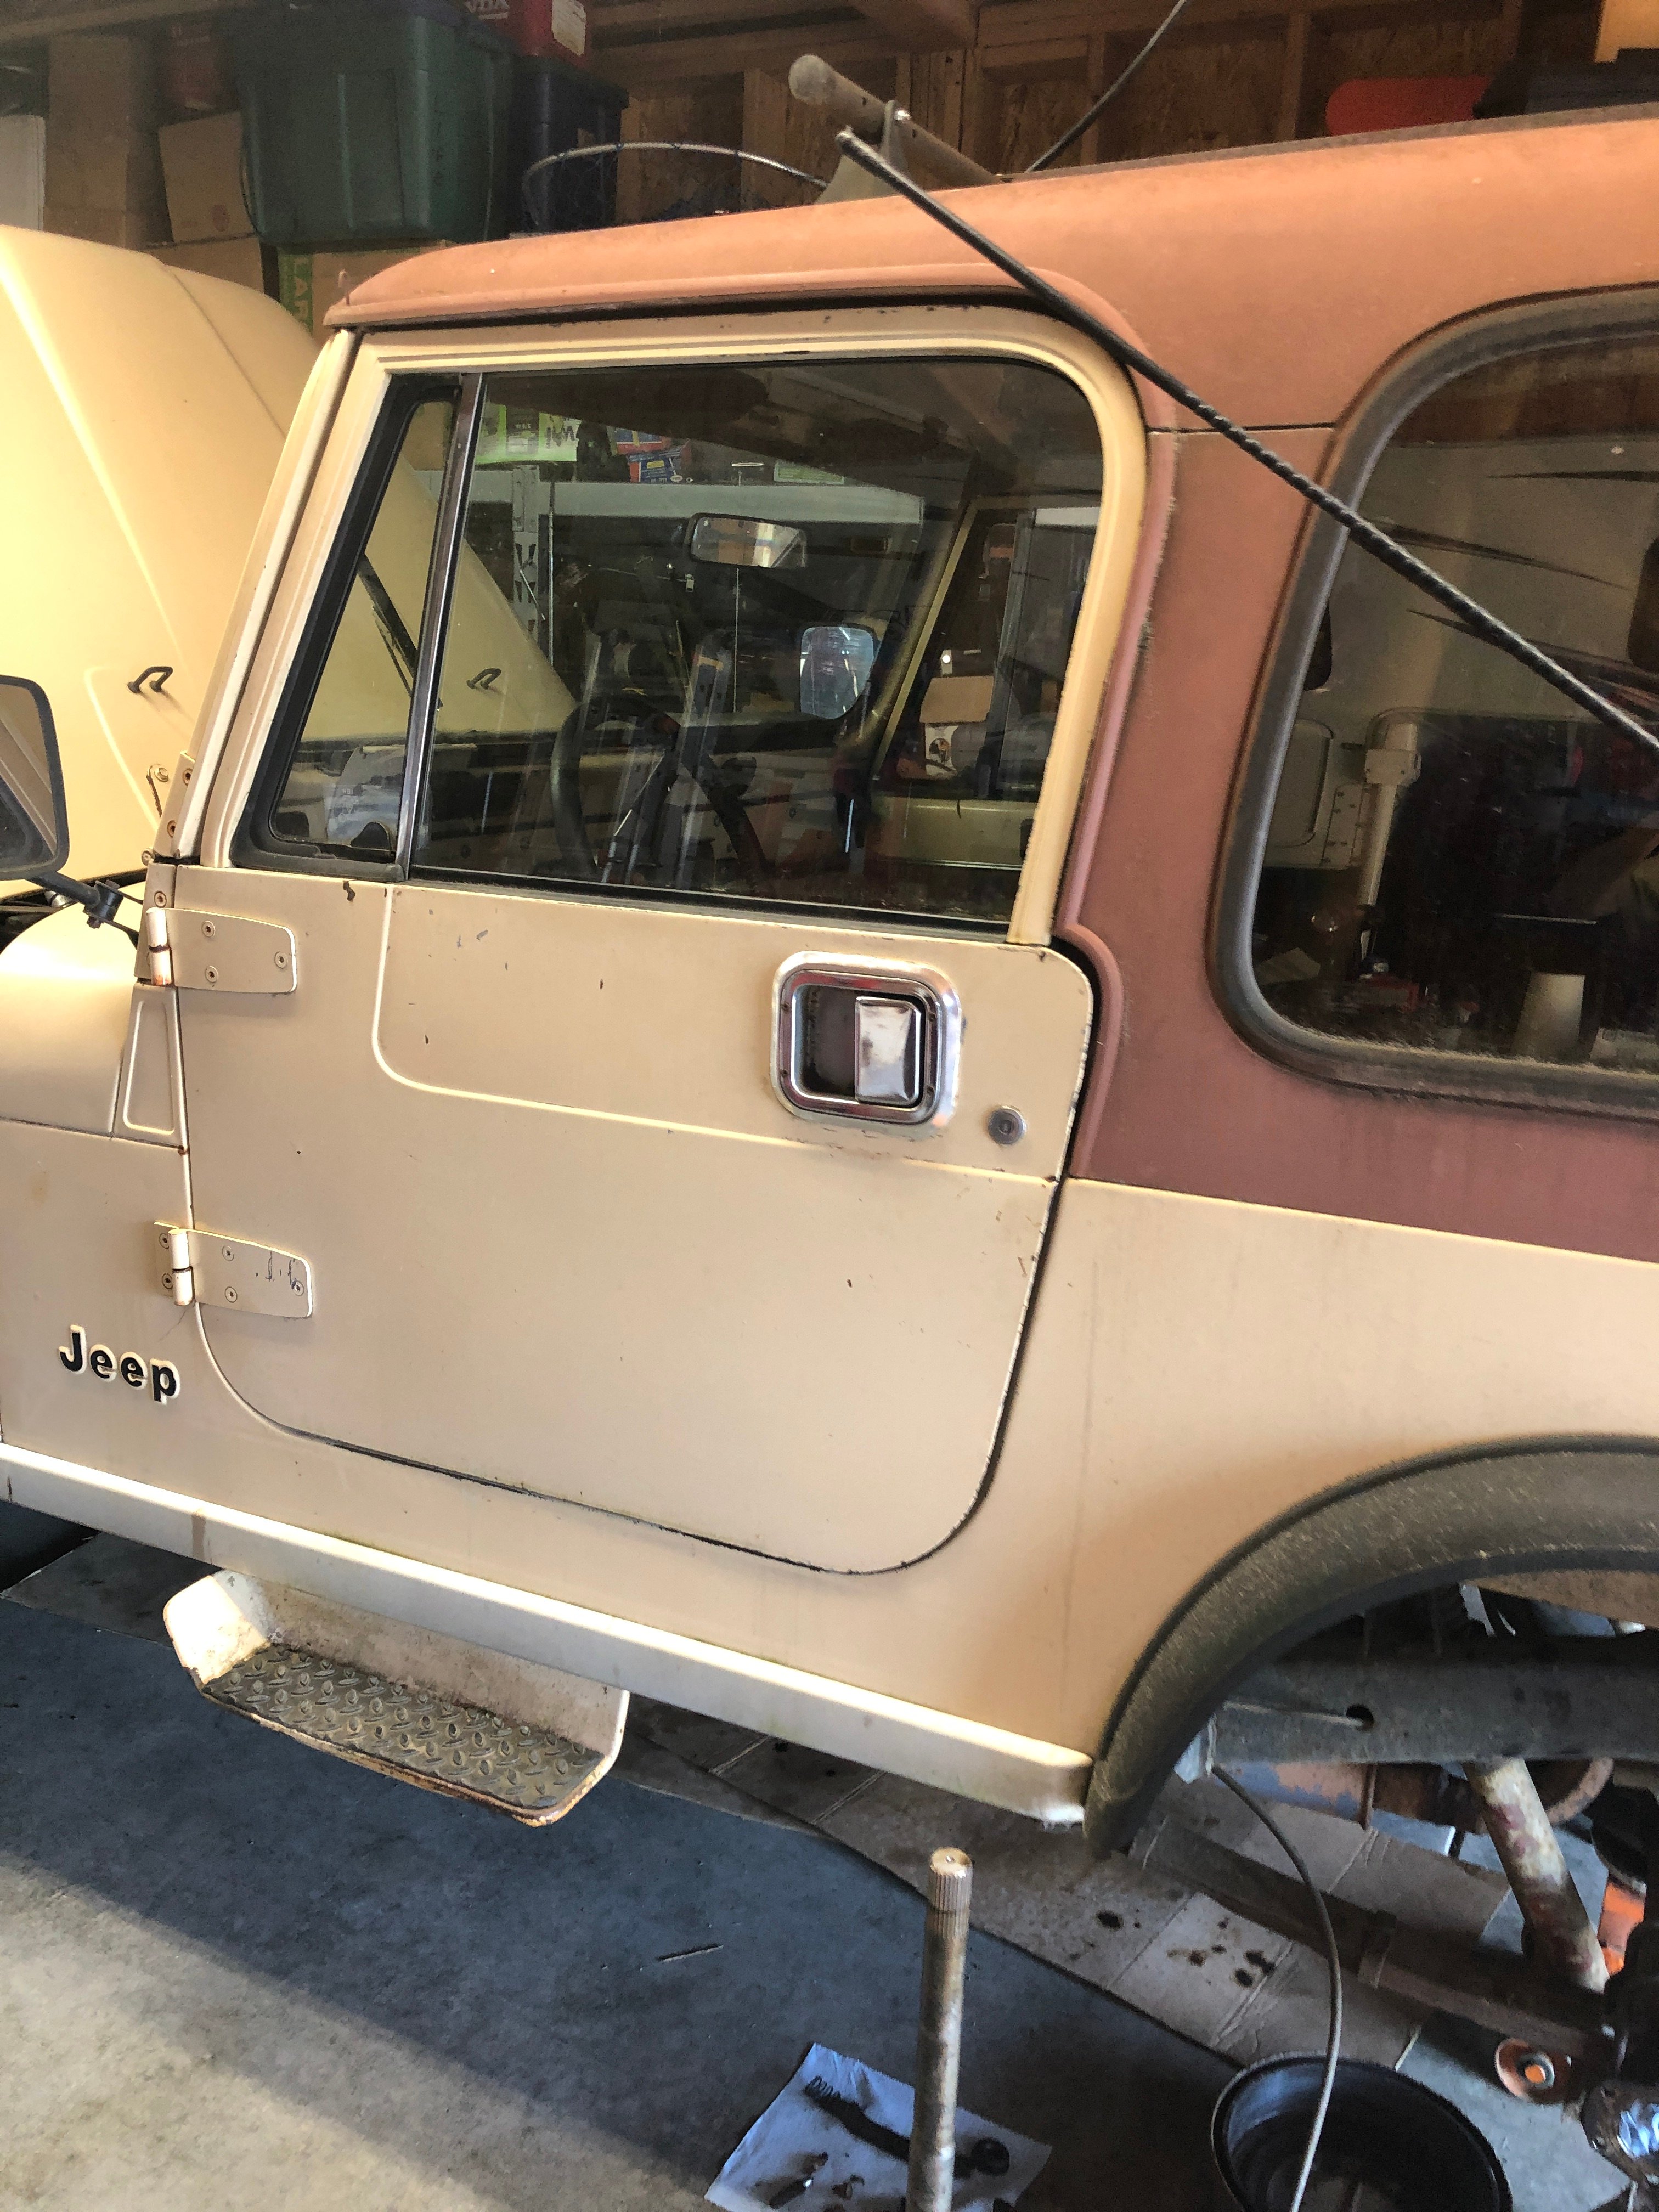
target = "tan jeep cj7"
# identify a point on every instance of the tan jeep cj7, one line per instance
(833, 1023)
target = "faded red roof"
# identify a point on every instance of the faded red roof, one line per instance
(1277, 281)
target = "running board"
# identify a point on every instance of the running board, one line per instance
(527, 1740)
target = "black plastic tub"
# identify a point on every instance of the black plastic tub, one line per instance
(373, 122)
(556, 108)
(1389, 2145)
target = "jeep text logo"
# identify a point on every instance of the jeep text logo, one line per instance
(160, 1375)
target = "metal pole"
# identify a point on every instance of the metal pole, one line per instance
(932, 2178)
(1531, 1857)
(817, 85)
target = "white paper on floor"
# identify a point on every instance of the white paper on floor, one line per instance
(796, 2139)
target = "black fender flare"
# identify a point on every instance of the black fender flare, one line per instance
(1536, 1507)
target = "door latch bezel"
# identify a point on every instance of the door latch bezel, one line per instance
(930, 992)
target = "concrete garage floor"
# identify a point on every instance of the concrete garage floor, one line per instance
(239, 1972)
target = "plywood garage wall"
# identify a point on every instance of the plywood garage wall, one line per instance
(707, 110)
(999, 80)
(1233, 73)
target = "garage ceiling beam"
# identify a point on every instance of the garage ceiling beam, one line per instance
(678, 61)
(923, 27)
(627, 23)
(48, 22)
(1070, 23)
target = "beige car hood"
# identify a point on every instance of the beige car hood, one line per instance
(146, 408)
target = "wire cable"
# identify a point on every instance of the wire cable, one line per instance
(660, 146)
(1333, 1967)
(1478, 619)
(1071, 136)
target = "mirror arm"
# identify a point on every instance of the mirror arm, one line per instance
(100, 900)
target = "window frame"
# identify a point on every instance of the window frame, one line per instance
(1495, 335)
(926, 330)
(323, 617)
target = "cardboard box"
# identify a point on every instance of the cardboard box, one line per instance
(202, 161)
(98, 82)
(309, 284)
(546, 28)
(237, 260)
(23, 170)
(569, 32)
(103, 164)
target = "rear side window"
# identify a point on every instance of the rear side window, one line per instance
(1458, 860)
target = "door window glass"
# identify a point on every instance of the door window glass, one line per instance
(344, 772)
(1458, 858)
(785, 632)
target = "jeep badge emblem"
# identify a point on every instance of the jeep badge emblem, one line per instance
(160, 1375)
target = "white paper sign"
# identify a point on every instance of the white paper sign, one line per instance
(801, 2138)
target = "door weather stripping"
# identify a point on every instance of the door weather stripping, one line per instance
(218, 951)
(435, 615)
(201, 1269)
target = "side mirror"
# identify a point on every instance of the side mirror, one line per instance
(34, 820)
(835, 661)
(739, 541)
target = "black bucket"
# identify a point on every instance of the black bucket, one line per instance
(1389, 2145)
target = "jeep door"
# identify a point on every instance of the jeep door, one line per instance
(662, 752)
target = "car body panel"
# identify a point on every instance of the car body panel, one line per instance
(566, 1238)
(155, 403)
(1258, 1286)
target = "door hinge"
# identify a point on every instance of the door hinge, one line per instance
(218, 951)
(200, 1268)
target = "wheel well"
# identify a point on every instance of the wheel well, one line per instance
(1548, 1507)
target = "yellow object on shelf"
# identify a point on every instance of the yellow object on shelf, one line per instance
(1627, 24)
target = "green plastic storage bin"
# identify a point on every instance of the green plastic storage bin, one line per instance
(370, 122)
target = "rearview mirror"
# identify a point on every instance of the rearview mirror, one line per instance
(34, 820)
(739, 541)
(835, 661)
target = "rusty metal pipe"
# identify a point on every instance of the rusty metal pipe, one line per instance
(1531, 1857)
(1350, 1791)
(1353, 1792)
(900, 135)
(931, 2181)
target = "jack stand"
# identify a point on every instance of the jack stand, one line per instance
(932, 2176)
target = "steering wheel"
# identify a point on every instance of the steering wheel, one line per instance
(681, 753)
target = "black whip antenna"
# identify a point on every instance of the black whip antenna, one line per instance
(1479, 620)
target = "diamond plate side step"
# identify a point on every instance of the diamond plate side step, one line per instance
(527, 1740)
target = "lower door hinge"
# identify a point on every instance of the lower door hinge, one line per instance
(199, 1268)
(217, 951)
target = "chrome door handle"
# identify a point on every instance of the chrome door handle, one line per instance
(865, 1041)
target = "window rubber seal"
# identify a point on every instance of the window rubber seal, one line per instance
(254, 845)
(451, 521)
(1493, 335)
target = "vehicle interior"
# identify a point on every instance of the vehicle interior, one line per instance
(1456, 860)
(801, 637)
